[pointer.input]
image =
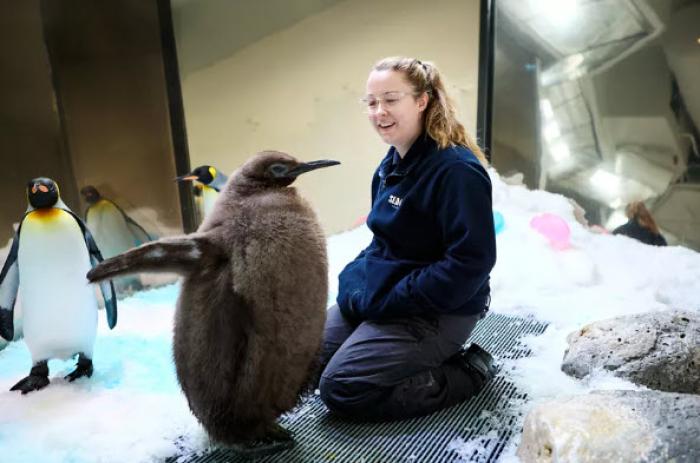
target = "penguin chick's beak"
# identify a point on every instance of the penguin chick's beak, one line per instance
(309, 166)
(186, 178)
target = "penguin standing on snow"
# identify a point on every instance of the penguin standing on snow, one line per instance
(208, 183)
(250, 315)
(114, 232)
(46, 266)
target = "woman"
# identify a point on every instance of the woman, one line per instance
(641, 225)
(409, 301)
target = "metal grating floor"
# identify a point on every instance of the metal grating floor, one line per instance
(483, 425)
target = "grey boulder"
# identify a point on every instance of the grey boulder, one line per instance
(613, 426)
(660, 350)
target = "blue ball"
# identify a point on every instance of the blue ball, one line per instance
(498, 222)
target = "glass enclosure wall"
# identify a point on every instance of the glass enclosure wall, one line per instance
(84, 103)
(288, 75)
(600, 101)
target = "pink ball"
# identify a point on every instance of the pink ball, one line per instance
(360, 220)
(554, 228)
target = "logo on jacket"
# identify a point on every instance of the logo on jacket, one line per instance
(395, 201)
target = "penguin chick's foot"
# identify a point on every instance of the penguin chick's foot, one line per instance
(275, 440)
(38, 379)
(84, 369)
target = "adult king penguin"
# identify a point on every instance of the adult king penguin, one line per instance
(46, 265)
(250, 315)
(114, 232)
(208, 182)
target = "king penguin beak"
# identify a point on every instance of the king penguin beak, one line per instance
(309, 166)
(186, 178)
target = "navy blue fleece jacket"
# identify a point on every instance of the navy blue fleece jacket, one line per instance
(434, 243)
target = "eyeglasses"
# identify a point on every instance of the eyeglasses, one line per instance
(388, 100)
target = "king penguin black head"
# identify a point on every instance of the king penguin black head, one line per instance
(202, 174)
(42, 192)
(90, 194)
(273, 168)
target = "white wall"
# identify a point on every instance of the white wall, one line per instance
(297, 90)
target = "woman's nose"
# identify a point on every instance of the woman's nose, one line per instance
(381, 108)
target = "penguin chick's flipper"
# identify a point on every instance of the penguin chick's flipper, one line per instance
(84, 368)
(275, 440)
(38, 379)
(9, 283)
(180, 255)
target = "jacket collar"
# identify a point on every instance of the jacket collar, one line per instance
(419, 150)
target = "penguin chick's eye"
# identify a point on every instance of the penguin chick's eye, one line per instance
(278, 170)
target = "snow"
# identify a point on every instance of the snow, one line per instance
(132, 408)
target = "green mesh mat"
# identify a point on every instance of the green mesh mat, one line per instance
(474, 431)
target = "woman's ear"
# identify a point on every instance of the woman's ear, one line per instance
(423, 101)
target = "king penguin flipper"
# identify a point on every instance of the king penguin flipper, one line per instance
(179, 255)
(106, 287)
(139, 233)
(9, 283)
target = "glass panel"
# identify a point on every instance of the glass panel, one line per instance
(599, 101)
(84, 103)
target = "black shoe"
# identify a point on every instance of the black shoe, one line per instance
(477, 359)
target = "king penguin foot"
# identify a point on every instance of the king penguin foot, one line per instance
(38, 379)
(275, 440)
(31, 383)
(84, 368)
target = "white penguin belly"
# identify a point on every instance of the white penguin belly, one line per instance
(209, 197)
(60, 307)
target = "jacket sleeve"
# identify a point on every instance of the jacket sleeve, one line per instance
(351, 280)
(463, 210)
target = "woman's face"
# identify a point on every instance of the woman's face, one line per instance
(393, 110)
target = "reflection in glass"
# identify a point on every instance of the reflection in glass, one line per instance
(598, 101)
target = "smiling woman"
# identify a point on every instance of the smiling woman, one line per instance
(409, 301)
(397, 119)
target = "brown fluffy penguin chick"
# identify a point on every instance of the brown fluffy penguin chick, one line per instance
(252, 307)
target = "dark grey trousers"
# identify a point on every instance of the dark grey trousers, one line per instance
(395, 369)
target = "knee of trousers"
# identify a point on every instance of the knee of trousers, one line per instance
(347, 398)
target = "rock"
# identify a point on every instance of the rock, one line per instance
(660, 350)
(613, 426)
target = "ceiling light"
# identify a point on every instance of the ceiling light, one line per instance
(547, 110)
(560, 151)
(551, 130)
(558, 12)
(605, 181)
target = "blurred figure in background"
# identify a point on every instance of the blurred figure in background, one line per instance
(114, 232)
(641, 225)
